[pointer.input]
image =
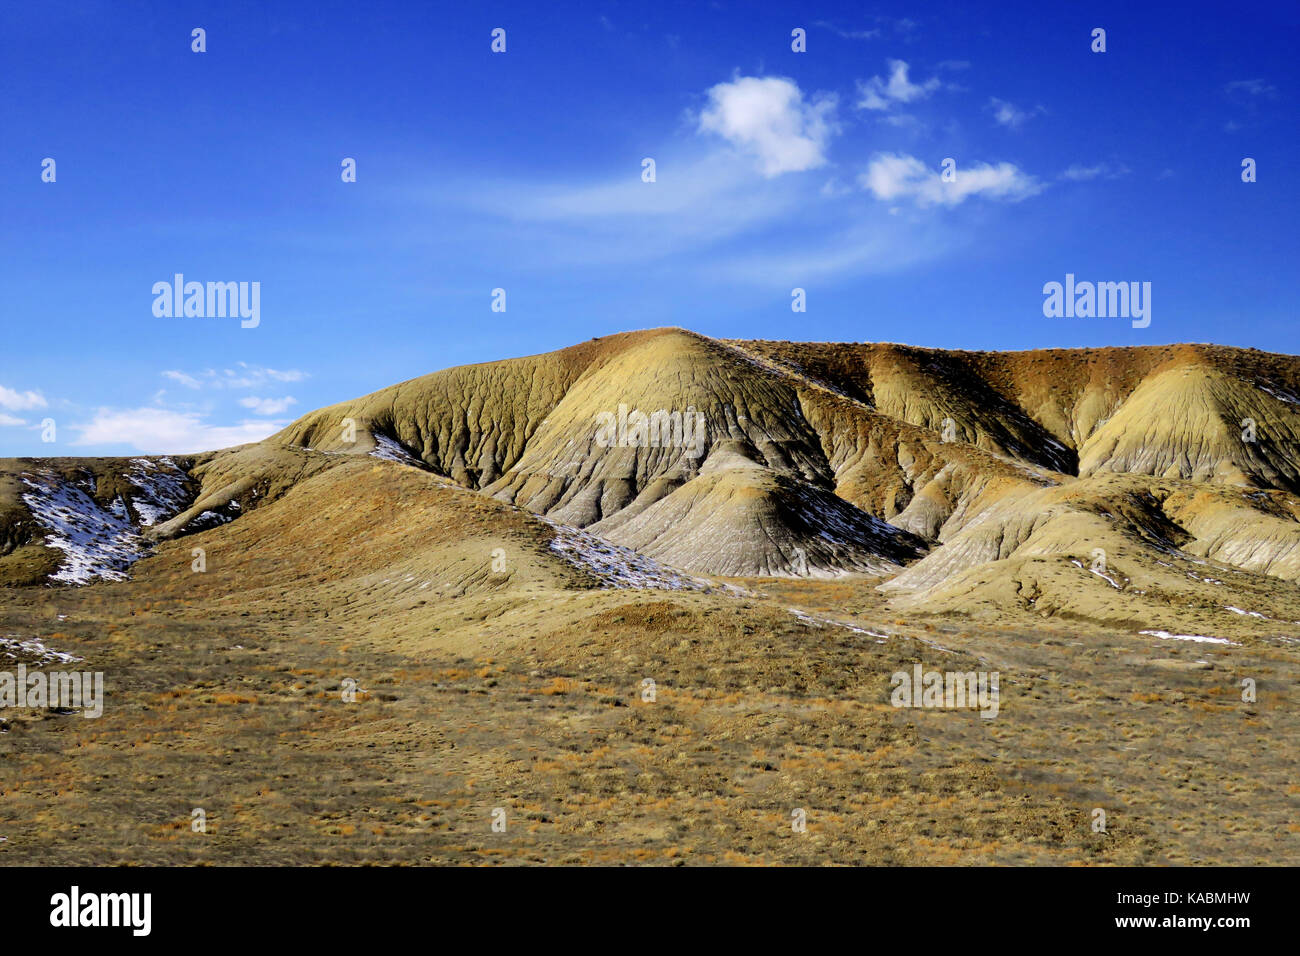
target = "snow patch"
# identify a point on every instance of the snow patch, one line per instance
(1101, 574)
(390, 449)
(96, 542)
(805, 618)
(616, 566)
(33, 652)
(100, 541)
(1166, 636)
(161, 486)
(1237, 610)
(1281, 394)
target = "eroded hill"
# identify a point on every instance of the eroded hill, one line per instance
(1108, 484)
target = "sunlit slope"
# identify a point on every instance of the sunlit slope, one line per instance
(1124, 550)
(974, 482)
(1168, 411)
(742, 520)
(469, 423)
(733, 409)
(375, 547)
(1201, 423)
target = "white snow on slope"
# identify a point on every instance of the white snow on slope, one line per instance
(1165, 635)
(1237, 610)
(881, 637)
(99, 541)
(33, 652)
(805, 618)
(1282, 395)
(391, 450)
(162, 489)
(1107, 578)
(616, 566)
(96, 542)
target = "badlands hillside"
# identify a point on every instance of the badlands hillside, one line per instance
(503, 554)
(1154, 486)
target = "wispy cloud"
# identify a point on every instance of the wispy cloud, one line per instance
(697, 202)
(879, 93)
(768, 118)
(16, 401)
(848, 34)
(242, 376)
(268, 406)
(1010, 115)
(712, 216)
(879, 242)
(189, 381)
(891, 176)
(1080, 174)
(904, 27)
(162, 431)
(1249, 99)
(11, 420)
(726, 181)
(1251, 88)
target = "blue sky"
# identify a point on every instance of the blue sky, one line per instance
(522, 170)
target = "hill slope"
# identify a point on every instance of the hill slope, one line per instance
(962, 481)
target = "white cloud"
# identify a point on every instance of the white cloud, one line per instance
(879, 242)
(903, 27)
(696, 202)
(847, 34)
(162, 432)
(1082, 174)
(10, 420)
(767, 117)
(188, 381)
(684, 188)
(19, 401)
(1251, 88)
(1010, 115)
(878, 93)
(705, 215)
(242, 376)
(268, 406)
(892, 176)
(251, 376)
(903, 121)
